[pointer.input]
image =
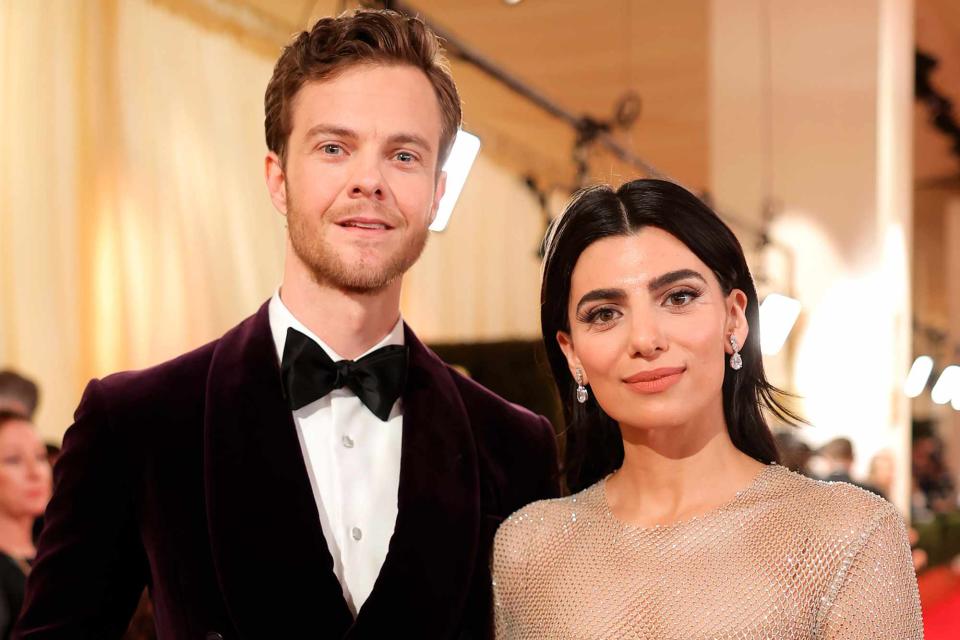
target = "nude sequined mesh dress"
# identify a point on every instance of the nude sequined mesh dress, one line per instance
(787, 558)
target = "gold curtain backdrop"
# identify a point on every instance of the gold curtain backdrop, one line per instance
(134, 222)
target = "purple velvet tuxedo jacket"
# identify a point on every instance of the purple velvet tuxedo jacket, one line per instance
(189, 478)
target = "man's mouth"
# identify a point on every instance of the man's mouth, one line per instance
(372, 225)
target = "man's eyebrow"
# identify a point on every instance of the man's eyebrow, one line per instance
(394, 140)
(331, 130)
(601, 294)
(410, 139)
(673, 276)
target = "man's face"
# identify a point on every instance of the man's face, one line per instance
(360, 187)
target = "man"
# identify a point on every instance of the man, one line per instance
(18, 394)
(838, 459)
(260, 489)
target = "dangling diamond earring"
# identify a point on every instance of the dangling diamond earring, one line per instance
(582, 394)
(736, 362)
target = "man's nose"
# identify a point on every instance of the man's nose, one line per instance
(367, 181)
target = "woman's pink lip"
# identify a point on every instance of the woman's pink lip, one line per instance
(654, 381)
(655, 374)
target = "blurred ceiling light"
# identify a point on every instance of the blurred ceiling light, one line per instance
(778, 314)
(918, 376)
(466, 146)
(947, 385)
(512, 2)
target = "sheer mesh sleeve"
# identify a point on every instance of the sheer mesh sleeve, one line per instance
(507, 570)
(875, 593)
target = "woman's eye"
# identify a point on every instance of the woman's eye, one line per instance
(603, 315)
(681, 298)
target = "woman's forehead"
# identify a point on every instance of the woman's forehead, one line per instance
(18, 430)
(634, 260)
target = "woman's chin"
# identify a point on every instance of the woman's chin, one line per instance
(660, 416)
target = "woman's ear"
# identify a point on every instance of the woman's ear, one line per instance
(736, 323)
(566, 345)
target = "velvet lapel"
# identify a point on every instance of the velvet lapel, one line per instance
(270, 556)
(423, 585)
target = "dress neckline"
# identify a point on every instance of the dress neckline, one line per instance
(758, 482)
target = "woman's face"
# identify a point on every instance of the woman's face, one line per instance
(650, 329)
(25, 477)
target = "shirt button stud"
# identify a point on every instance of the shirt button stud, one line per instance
(347, 442)
(356, 533)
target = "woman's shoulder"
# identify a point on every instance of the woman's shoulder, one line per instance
(830, 507)
(539, 523)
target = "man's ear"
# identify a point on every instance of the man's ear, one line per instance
(566, 345)
(276, 182)
(438, 193)
(736, 323)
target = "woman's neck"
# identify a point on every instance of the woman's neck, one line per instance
(676, 473)
(16, 536)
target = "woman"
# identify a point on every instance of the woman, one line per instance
(25, 485)
(682, 525)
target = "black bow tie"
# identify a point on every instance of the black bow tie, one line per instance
(308, 373)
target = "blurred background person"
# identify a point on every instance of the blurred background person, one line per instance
(933, 491)
(794, 452)
(18, 394)
(881, 472)
(838, 459)
(25, 486)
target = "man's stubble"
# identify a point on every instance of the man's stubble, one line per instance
(328, 267)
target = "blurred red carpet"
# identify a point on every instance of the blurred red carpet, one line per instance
(940, 598)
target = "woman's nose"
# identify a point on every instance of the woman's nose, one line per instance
(646, 336)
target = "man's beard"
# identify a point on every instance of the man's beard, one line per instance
(328, 267)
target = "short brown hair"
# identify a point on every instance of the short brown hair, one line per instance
(366, 36)
(23, 391)
(838, 449)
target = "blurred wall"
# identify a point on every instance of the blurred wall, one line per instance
(812, 116)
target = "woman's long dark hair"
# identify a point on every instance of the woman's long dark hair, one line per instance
(594, 446)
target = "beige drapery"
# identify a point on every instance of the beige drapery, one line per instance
(134, 223)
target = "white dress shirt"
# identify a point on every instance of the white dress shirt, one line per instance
(353, 460)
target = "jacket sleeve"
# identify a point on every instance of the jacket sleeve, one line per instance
(91, 567)
(877, 591)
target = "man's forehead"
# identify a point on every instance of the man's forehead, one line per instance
(388, 99)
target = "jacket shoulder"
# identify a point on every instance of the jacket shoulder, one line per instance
(477, 399)
(179, 382)
(513, 444)
(176, 379)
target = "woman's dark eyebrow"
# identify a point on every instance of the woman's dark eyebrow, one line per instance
(601, 294)
(673, 276)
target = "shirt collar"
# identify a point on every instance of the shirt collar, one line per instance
(282, 319)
